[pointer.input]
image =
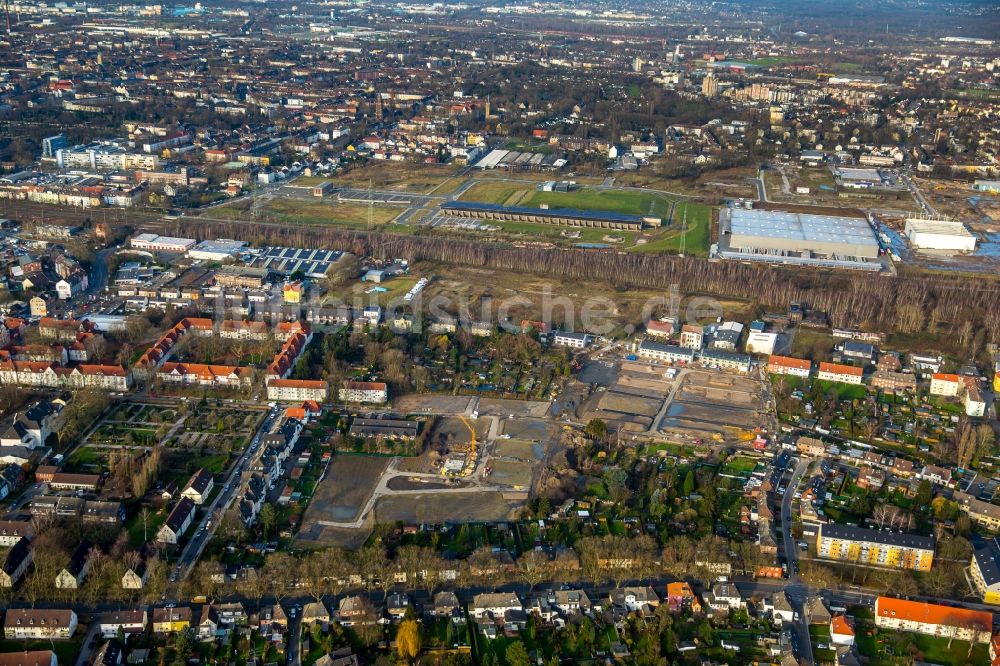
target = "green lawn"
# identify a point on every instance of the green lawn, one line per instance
(844, 391)
(876, 646)
(625, 202)
(213, 463)
(492, 192)
(135, 529)
(85, 456)
(66, 651)
(695, 241)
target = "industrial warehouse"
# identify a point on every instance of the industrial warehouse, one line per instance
(797, 238)
(567, 217)
(928, 234)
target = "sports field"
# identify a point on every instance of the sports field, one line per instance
(303, 211)
(626, 202)
(672, 239)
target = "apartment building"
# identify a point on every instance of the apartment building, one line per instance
(837, 372)
(946, 385)
(984, 571)
(665, 353)
(296, 390)
(371, 392)
(872, 547)
(981, 513)
(39, 624)
(933, 619)
(692, 336)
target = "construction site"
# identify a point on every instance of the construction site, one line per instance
(640, 398)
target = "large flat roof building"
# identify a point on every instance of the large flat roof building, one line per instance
(939, 235)
(569, 217)
(797, 238)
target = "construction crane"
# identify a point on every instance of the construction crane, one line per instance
(472, 433)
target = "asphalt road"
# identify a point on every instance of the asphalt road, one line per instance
(797, 590)
(213, 513)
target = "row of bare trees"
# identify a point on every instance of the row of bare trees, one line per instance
(910, 304)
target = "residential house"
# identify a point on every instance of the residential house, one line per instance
(171, 620)
(15, 563)
(135, 576)
(571, 602)
(32, 428)
(786, 365)
(984, 571)
(874, 547)
(199, 486)
(231, 614)
(815, 610)
(12, 531)
(692, 336)
(177, 523)
(109, 654)
(128, 621)
(981, 513)
(724, 597)
(396, 605)
(316, 612)
(494, 604)
(680, 597)
(69, 481)
(841, 631)
(570, 339)
(355, 610)
(445, 604)
(632, 599)
(75, 571)
(208, 624)
(781, 609)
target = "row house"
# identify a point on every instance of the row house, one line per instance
(161, 350)
(253, 499)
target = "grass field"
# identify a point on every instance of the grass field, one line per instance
(402, 176)
(616, 201)
(494, 192)
(300, 211)
(698, 235)
(844, 391)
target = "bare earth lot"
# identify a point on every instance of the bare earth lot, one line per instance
(349, 483)
(461, 507)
